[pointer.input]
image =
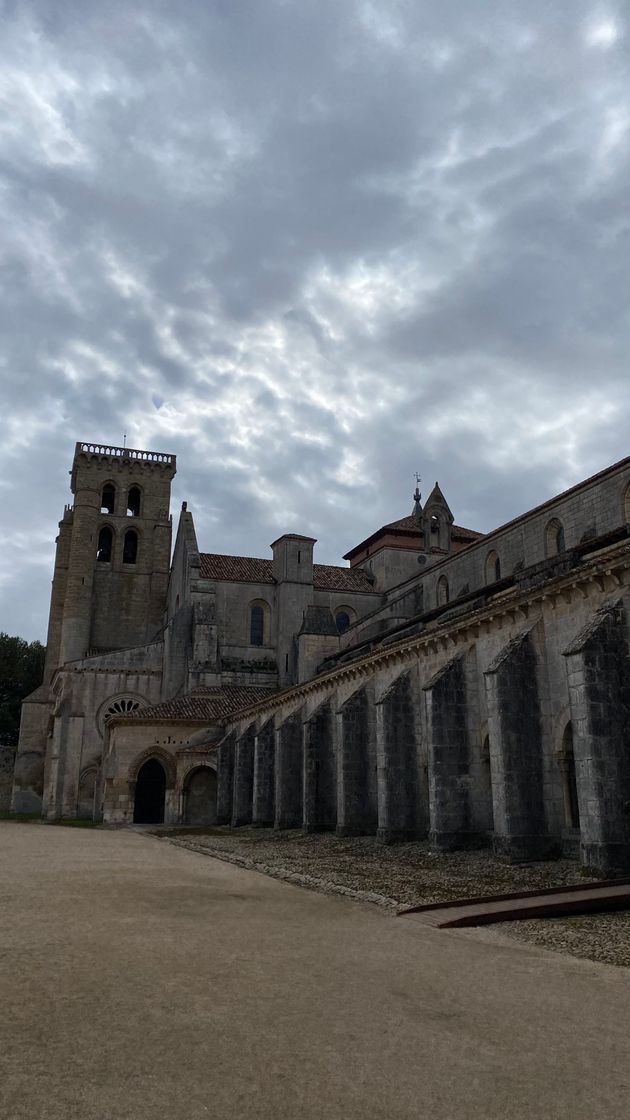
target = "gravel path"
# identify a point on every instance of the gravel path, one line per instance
(403, 874)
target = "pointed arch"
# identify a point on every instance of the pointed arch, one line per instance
(166, 759)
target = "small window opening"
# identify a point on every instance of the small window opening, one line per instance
(442, 591)
(133, 502)
(104, 547)
(555, 542)
(342, 618)
(130, 547)
(257, 626)
(108, 498)
(493, 568)
(299, 555)
(571, 806)
(286, 663)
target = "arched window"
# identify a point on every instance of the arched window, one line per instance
(493, 567)
(104, 547)
(342, 618)
(442, 591)
(256, 626)
(554, 538)
(133, 501)
(130, 547)
(108, 498)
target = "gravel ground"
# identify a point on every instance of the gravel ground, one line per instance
(403, 874)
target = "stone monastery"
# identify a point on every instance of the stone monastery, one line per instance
(472, 688)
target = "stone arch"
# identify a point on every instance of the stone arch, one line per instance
(345, 617)
(487, 797)
(199, 791)
(493, 567)
(442, 592)
(121, 704)
(105, 544)
(131, 546)
(554, 538)
(149, 792)
(134, 500)
(108, 498)
(258, 623)
(162, 756)
(86, 792)
(566, 763)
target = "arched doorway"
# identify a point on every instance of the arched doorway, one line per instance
(148, 806)
(200, 797)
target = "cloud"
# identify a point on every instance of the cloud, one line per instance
(311, 248)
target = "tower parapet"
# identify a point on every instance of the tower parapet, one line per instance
(84, 452)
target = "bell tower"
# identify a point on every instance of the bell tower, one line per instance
(113, 553)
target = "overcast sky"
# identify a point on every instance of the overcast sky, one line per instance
(311, 247)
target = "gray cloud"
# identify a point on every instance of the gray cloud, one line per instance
(310, 248)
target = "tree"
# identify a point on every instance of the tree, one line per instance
(21, 671)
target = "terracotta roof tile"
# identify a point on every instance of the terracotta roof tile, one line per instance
(251, 569)
(410, 523)
(204, 705)
(328, 577)
(241, 569)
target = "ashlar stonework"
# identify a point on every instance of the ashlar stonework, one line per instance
(470, 688)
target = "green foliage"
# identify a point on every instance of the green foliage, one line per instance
(21, 671)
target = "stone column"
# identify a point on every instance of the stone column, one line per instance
(225, 780)
(599, 689)
(401, 806)
(520, 827)
(357, 812)
(243, 779)
(449, 758)
(289, 779)
(264, 766)
(320, 771)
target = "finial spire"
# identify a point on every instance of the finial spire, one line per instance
(417, 506)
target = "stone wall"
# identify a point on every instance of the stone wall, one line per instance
(458, 732)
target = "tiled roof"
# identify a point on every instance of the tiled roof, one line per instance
(328, 577)
(410, 523)
(251, 569)
(205, 705)
(241, 569)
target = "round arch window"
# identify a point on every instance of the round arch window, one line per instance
(342, 619)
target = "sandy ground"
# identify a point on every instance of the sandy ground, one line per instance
(142, 980)
(402, 874)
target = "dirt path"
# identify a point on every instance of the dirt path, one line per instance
(141, 980)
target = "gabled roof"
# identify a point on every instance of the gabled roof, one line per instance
(252, 569)
(203, 705)
(408, 527)
(458, 532)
